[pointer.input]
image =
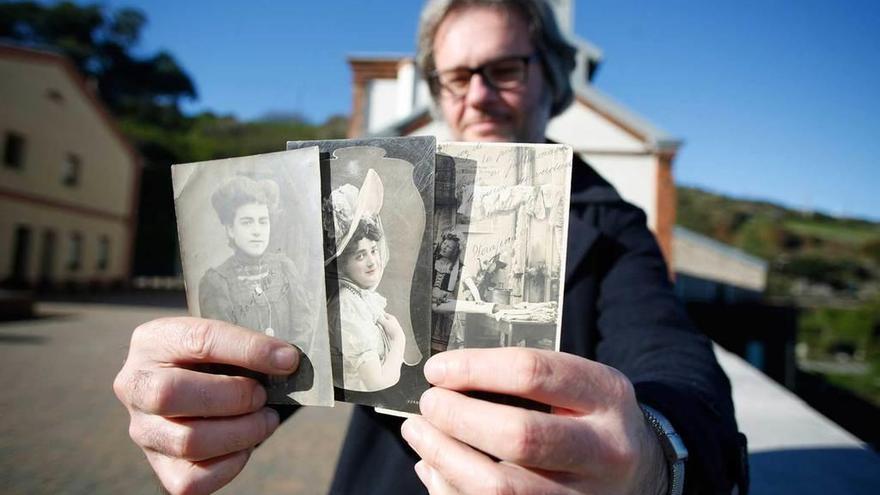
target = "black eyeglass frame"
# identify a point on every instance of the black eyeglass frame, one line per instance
(437, 85)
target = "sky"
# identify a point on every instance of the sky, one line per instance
(774, 99)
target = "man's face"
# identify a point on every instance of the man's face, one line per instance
(470, 37)
(250, 229)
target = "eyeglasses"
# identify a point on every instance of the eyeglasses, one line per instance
(504, 73)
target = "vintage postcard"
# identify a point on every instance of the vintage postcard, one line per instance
(251, 249)
(500, 233)
(378, 200)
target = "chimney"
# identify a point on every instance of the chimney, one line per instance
(564, 10)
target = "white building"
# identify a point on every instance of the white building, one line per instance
(390, 99)
(68, 179)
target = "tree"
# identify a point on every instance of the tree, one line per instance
(145, 94)
(100, 44)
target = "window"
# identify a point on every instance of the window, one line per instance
(55, 96)
(103, 253)
(21, 253)
(13, 151)
(74, 252)
(47, 258)
(71, 171)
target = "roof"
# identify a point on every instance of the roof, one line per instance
(378, 57)
(621, 115)
(719, 247)
(587, 53)
(592, 51)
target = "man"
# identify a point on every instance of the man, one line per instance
(498, 71)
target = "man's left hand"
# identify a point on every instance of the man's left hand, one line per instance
(595, 439)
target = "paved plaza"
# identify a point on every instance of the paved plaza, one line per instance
(63, 431)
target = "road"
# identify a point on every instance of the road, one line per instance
(63, 431)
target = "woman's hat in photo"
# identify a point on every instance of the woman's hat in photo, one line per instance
(346, 207)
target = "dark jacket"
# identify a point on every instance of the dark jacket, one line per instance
(619, 309)
(260, 293)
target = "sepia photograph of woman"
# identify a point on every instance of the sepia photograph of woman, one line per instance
(253, 288)
(366, 340)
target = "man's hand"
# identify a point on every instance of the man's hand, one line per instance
(198, 429)
(596, 439)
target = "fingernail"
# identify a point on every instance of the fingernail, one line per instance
(410, 432)
(423, 471)
(435, 370)
(272, 419)
(259, 397)
(285, 358)
(426, 402)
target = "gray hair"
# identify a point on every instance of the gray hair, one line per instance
(557, 56)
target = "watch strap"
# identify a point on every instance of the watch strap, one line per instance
(674, 450)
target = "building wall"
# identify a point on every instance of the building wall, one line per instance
(44, 103)
(634, 177)
(40, 219)
(434, 128)
(423, 95)
(640, 172)
(381, 103)
(587, 130)
(52, 130)
(696, 289)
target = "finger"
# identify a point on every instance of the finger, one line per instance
(466, 470)
(527, 438)
(555, 378)
(197, 439)
(432, 480)
(180, 476)
(176, 392)
(198, 340)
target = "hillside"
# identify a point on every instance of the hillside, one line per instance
(811, 255)
(207, 136)
(829, 267)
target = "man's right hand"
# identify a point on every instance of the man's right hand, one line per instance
(198, 429)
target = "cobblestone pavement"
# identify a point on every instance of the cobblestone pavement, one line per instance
(63, 431)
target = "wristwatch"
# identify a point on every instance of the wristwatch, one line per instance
(673, 448)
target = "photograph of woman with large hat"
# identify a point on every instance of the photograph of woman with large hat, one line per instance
(367, 341)
(378, 200)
